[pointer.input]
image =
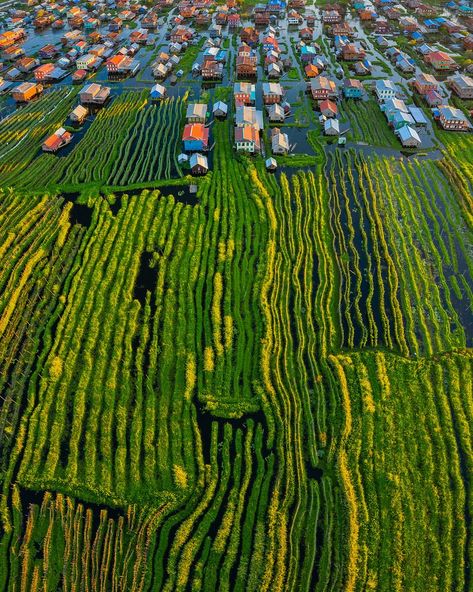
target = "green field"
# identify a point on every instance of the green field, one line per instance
(368, 123)
(129, 141)
(266, 388)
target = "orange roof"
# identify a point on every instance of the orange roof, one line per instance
(53, 142)
(246, 133)
(440, 55)
(194, 131)
(45, 68)
(330, 105)
(56, 140)
(311, 70)
(116, 60)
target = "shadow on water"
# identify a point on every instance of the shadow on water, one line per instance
(146, 278)
(186, 194)
(314, 472)
(115, 206)
(80, 213)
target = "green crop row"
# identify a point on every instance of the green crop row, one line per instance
(129, 141)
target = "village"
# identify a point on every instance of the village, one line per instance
(382, 76)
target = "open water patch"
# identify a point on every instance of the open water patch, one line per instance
(146, 277)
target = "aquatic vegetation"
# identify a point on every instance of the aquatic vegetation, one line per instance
(368, 123)
(267, 388)
(129, 141)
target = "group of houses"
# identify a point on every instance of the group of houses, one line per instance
(94, 39)
(448, 117)
(195, 139)
(405, 120)
(91, 96)
(249, 121)
(196, 135)
(164, 64)
(415, 19)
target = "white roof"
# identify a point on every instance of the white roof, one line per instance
(220, 106)
(332, 124)
(198, 159)
(196, 110)
(280, 139)
(159, 88)
(385, 85)
(407, 133)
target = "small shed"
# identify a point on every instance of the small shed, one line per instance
(198, 164)
(331, 127)
(158, 92)
(220, 109)
(79, 114)
(271, 164)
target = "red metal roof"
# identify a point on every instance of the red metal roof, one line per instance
(195, 131)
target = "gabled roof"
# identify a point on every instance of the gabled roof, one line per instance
(385, 84)
(395, 105)
(244, 87)
(407, 132)
(311, 70)
(272, 88)
(80, 111)
(196, 110)
(332, 124)
(198, 160)
(275, 109)
(220, 106)
(279, 140)
(425, 78)
(195, 131)
(328, 106)
(439, 56)
(158, 90)
(245, 115)
(322, 83)
(352, 83)
(462, 81)
(452, 113)
(247, 133)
